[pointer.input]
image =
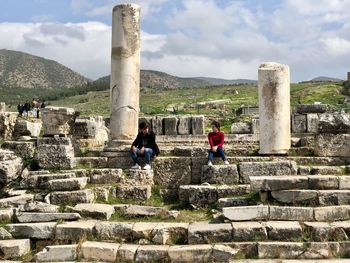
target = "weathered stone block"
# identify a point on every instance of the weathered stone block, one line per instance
(273, 168)
(255, 126)
(333, 145)
(197, 125)
(184, 125)
(273, 183)
(58, 120)
(29, 217)
(296, 196)
(170, 125)
(114, 231)
(7, 124)
(240, 128)
(157, 125)
(291, 213)
(298, 123)
(4, 234)
(13, 249)
(75, 231)
(57, 253)
(69, 184)
(97, 211)
(331, 213)
(152, 253)
(72, 197)
(206, 233)
(323, 182)
(138, 210)
(246, 213)
(191, 253)
(27, 128)
(285, 250)
(32, 230)
(136, 192)
(100, 251)
(16, 200)
(138, 177)
(322, 231)
(127, 252)
(334, 123)
(220, 174)
(106, 176)
(246, 231)
(311, 108)
(10, 167)
(334, 197)
(312, 123)
(284, 231)
(25, 150)
(344, 182)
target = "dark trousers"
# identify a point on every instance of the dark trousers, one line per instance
(148, 154)
(219, 153)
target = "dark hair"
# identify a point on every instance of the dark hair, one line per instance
(216, 124)
(143, 125)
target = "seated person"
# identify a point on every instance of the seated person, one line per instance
(216, 141)
(145, 146)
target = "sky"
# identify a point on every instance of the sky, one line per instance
(188, 38)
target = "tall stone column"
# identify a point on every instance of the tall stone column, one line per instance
(125, 72)
(274, 108)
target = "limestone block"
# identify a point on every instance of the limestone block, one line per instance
(138, 210)
(55, 153)
(170, 233)
(197, 125)
(322, 231)
(152, 253)
(283, 231)
(10, 167)
(6, 214)
(125, 72)
(311, 108)
(326, 170)
(191, 253)
(138, 177)
(240, 128)
(273, 183)
(74, 231)
(58, 120)
(312, 123)
(136, 192)
(25, 149)
(334, 197)
(285, 250)
(32, 217)
(246, 231)
(96, 211)
(41, 181)
(106, 176)
(127, 252)
(291, 213)
(304, 170)
(157, 125)
(333, 145)
(246, 213)
(102, 193)
(170, 125)
(88, 127)
(199, 196)
(114, 231)
(143, 230)
(4, 234)
(334, 123)
(273, 168)
(91, 162)
(2, 107)
(220, 174)
(296, 196)
(323, 182)
(274, 108)
(344, 182)
(13, 249)
(7, 124)
(172, 172)
(232, 190)
(69, 184)
(32, 230)
(184, 125)
(255, 126)
(57, 253)
(16, 200)
(72, 197)
(27, 128)
(100, 251)
(223, 253)
(298, 123)
(331, 213)
(207, 233)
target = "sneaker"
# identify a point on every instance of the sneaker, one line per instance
(226, 162)
(136, 167)
(210, 163)
(147, 167)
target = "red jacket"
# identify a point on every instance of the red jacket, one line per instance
(216, 139)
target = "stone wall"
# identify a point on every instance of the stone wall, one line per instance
(7, 124)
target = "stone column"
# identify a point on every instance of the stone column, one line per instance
(125, 72)
(274, 108)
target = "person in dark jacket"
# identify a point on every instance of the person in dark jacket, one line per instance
(144, 146)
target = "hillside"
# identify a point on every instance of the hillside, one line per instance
(18, 69)
(216, 81)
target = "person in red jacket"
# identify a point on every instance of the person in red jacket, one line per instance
(216, 140)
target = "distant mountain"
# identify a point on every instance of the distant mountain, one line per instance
(18, 69)
(326, 79)
(216, 81)
(160, 80)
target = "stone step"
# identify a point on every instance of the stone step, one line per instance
(287, 213)
(72, 197)
(227, 252)
(236, 201)
(41, 181)
(312, 197)
(28, 217)
(96, 211)
(40, 231)
(16, 200)
(323, 170)
(220, 174)
(69, 184)
(314, 182)
(204, 195)
(14, 248)
(91, 162)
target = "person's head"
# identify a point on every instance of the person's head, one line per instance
(215, 126)
(143, 127)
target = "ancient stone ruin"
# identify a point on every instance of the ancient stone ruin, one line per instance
(67, 193)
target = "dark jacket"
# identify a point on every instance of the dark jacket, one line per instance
(147, 141)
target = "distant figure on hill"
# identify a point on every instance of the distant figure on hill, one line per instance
(20, 109)
(216, 140)
(144, 146)
(27, 109)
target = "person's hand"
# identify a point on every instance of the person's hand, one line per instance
(142, 150)
(214, 149)
(133, 149)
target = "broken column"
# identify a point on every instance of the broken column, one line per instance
(125, 72)
(274, 108)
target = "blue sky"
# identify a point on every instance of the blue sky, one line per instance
(213, 38)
